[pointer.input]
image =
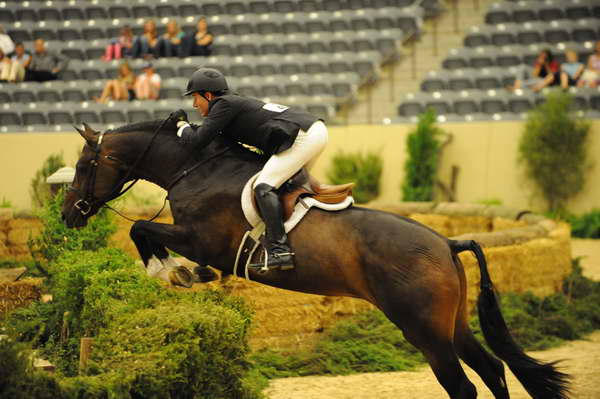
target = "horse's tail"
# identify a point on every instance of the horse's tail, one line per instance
(541, 380)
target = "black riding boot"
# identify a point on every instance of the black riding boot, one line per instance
(279, 253)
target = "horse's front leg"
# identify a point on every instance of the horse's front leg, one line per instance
(151, 239)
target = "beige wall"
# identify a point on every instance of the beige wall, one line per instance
(485, 153)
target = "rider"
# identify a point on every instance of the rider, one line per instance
(290, 136)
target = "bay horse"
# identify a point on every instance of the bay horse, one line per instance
(407, 270)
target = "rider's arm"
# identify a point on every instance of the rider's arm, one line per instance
(218, 118)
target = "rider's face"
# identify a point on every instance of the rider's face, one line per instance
(201, 103)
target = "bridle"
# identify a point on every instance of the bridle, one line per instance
(86, 201)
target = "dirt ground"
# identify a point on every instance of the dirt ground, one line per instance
(581, 359)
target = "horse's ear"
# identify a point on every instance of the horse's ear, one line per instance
(89, 134)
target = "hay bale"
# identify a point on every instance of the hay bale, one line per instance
(19, 293)
(500, 211)
(501, 223)
(6, 214)
(25, 223)
(4, 250)
(470, 224)
(20, 236)
(459, 209)
(440, 223)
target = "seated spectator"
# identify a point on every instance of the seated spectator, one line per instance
(198, 43)
(570, 71)
(19, 62)
(591, 75)
(121, 47)
(121, 88)
(4, 66)
(170, 42)
(544, 73)
(146, 45)
(6, 43)
(147, 85)
(44, 64)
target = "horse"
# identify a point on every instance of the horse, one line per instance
(405, 269)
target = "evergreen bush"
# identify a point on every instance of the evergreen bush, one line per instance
(586, 225)
(40, 190)
(553, 150)
(420, 170)
(56, 238)
(364, 170)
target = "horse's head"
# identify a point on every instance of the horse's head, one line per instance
(97, 175)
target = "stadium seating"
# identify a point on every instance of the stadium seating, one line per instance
(471, 85)
(310, 53)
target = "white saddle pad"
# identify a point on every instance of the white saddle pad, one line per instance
(301, 208)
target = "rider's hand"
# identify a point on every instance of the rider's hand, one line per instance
(178, 116)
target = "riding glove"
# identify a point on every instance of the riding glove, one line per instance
(178, 116)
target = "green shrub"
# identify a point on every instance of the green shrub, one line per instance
(420, 170)
(5, 203)
(364, 170)
(553, 149)
(40, 190)
(55, 238)
(18, 380)
(149, 341)
(586, 225)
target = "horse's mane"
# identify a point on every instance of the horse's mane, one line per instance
(169, 129)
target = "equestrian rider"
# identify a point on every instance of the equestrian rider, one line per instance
(290, 136)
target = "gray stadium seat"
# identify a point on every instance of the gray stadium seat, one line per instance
(23, 96)
(9, 118)
(113, 116)
(33, 118)
(26, 15)
(135, 116)
(72, 13)
(6, 16)
(60, 117)
(49, 96)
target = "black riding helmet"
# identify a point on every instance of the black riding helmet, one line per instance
(206, 79)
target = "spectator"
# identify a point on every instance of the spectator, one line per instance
(170, 42)
(19, 62)
(591, 76)
(146, 45)
(147, 85)
(545, 71)
(4, 66)
(198, 43)
(44, 65)
(121, 88)
(571, 70)
(121, 47)
(6, 44)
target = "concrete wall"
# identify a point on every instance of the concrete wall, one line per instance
(485, 153)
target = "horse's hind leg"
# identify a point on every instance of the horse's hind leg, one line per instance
(488, 367)
(442, 358)
(431, 331)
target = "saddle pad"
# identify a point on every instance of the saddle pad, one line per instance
(300, 210)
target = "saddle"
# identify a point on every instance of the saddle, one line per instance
(304, 185)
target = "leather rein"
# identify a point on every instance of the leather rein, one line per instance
(87, 201)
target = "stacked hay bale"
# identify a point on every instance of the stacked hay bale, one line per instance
(16, 294)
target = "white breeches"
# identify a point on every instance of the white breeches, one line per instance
(304, 152)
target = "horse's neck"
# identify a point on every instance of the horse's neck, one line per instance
(167, 160)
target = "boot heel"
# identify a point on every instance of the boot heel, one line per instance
(287, 267)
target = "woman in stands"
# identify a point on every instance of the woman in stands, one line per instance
(121, 88)
(571, 70)
(121, 47)
(198, 43)
(171, 42)
(291, 137)
(147, 85)
(591, 76)
(545, 73)
(146, 45)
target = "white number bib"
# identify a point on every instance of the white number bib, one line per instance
(274, 107)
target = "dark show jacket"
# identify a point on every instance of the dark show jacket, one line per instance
(267, 126)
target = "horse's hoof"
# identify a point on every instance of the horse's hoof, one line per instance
(203, 274)
(181, 276)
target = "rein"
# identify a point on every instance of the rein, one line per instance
(86, 201)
